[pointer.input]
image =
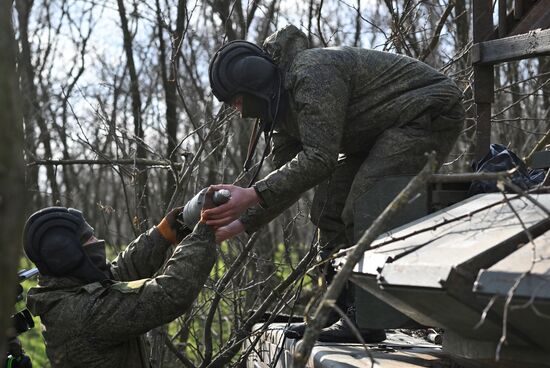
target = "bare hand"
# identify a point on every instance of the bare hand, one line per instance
(229, 231)
(241, 200)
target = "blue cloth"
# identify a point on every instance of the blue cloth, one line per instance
(499, 159)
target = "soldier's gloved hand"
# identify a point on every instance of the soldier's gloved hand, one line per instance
(172, 228)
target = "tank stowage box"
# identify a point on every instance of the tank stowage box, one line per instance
(427, 269)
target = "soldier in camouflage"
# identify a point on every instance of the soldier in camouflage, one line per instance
(95, 313)
(339, 118)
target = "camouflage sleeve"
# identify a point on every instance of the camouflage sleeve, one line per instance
(284, 150)
(132, 308)
(255, 217)
(142, 258)
(320, 93)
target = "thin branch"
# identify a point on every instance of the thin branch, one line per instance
(241, 334)
(435, 38)
(319, 27)
(453, 178)
(320, 318)
(218, 291)
(538, 147)
(120, 161)
(182, 358)
(516, 284)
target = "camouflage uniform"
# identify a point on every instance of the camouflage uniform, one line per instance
(354, 116)
(101, 324)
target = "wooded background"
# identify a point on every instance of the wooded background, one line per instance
(120, 122)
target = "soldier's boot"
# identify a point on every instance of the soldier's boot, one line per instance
(341, 331)
(296, 330)
(338, 329)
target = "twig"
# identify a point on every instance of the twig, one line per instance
(529, 197)
(217, 297)
(355, 331)
(539, 146)
(514, 287)
(485, 312)
(319, 27)
(182, 358)
(259, 332)
(453, 178)
(303, 350)
(120, 161)
(435, 38)
(180, 187)
(241, 334)
(443, 222)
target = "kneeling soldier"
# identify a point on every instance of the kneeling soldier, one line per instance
(94, 313)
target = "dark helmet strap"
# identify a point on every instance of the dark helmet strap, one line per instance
(264, 155)
(252, 144)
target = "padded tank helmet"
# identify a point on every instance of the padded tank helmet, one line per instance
(241, 67)
(53, 238)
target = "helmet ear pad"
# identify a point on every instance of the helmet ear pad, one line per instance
(61, 251)
(241, 67)
(254, 75)
(254, 107)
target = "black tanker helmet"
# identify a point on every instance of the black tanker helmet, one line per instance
(53, 238)
(241, 67)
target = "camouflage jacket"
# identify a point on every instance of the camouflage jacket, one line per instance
(100, 324)
(339, 100)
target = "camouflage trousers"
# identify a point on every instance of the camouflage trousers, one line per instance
(397, 152)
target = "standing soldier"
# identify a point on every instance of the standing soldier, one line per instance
(339, 118)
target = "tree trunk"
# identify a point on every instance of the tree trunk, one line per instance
(168, 74)
(12, 174)
(462, 24)
(31, 107)
(141, 192)
(544, 70)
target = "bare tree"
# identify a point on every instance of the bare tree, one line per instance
(141, 185)
(12, 179)
(33, 111)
